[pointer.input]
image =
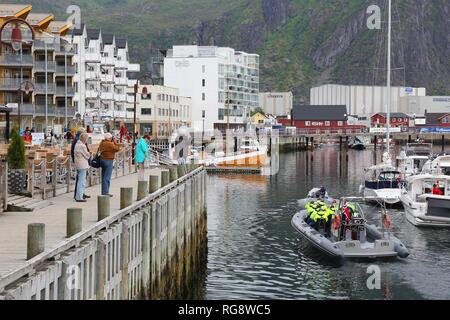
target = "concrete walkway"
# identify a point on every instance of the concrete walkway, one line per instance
(13, 225)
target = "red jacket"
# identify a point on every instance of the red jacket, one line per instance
(437, 191)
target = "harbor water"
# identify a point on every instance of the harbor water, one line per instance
(254, 253)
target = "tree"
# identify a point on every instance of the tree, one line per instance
(257, 110)
(16, 151)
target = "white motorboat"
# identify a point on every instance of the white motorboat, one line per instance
(383, 182)
(412, 160)
(439, 165)
(426, 200)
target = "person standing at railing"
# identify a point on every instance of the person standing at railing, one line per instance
(72, 154)
(108, 149)
(82, 156)
(142, 155)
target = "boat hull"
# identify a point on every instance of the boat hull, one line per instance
(382, 247)
(390, 196)
(416, 214)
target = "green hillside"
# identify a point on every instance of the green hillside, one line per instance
(301, 42)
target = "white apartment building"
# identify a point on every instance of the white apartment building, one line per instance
(223, 84)
(362, 100)
(159, 110)
(101, 80)
(276, 103)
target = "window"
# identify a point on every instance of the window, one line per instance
(146, 111)
(203, 96)
(340, 123)
(327, 123)
(203, 83)
(394, 120)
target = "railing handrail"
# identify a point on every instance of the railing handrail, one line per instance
(90, 232)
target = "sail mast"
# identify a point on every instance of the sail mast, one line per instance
(388, 113)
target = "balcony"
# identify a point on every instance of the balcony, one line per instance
(16, 60)
(107, 78)
(61, 91)
(92, 75)
(42, 45)
(107, 96)
(39, 66)
(92, 57)
(108, 61)
(121, 81)
(54, 110)
(10, 84)
(39, 88)
(121, 64)
(63, 51)
(26, 109)
(120, 97)
(92, 94)
(60, 70)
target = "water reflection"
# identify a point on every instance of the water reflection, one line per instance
(254, 253)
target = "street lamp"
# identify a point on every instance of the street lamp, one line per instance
(27, 87)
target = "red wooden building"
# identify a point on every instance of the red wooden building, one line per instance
(323, 118)
(399, 120)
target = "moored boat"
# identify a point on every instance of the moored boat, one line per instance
(353, 239)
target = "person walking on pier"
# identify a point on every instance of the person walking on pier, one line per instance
(142, 155)
(81, 157)
(108, 149)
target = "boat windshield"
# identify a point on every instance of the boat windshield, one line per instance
(419, 149)
(389, 176)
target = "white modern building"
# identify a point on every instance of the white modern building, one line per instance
(276, 103)
(363, 101)
(223, 84)
(159, 110)
(101, 79)
(422, 105)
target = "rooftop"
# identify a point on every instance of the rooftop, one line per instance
(13, 10)
(121, 43)
(40, 19)
(93, 34)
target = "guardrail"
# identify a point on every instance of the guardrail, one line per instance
(142, 250)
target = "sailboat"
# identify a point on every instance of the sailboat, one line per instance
(384, 181)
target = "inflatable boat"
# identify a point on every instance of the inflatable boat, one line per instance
(360, 240)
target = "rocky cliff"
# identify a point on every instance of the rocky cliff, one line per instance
(301, 42)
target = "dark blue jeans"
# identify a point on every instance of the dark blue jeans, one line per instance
(107, 169)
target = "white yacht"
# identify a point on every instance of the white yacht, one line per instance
(440, 165)
(383, 182)
(412, 160)
(426, 200)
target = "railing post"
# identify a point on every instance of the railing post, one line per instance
(153, 184)
(103, 207)
(173, 174)
(164, 178)
(74, 221)
(142, 190)
(35, 239)
(31, 176)
(55, 175)
(126, 197)
(43, 176)
(68, 173)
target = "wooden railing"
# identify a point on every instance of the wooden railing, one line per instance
(3, 185)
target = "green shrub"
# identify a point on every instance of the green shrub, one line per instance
(16, 151)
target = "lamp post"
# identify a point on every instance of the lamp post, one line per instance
(27, 87)
(136, 89)
(203, 128)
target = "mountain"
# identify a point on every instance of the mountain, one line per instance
(302, 43)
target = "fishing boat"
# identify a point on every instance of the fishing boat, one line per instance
(423, 205)
(412, 160)
(355, 239)
(314, 195)
(383, 181)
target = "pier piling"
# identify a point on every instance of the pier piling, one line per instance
(142, 190)
(103, 207)
(153, 184)
(74, 221)
(35, 239)
(126, 197)
(164, 178)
